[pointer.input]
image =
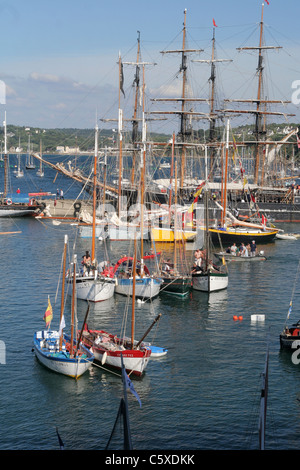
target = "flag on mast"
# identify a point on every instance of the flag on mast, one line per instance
(214, 23)
(48, 314)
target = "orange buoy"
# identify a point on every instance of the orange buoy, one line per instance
(235, 317)
(240, 317)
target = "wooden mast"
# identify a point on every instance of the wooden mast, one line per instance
(5, 159)
(120, 126)
(225, 176)
(133, 296)
(94, 195)
(212, 113)
(135, 121)
(183, 113)
(62, 302)
(258, 112)
(73, 306)
(143, 169)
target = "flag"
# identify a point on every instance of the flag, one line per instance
(234, 149)
(129, 384)
(214, 23)
(267, 2)
(263, 219)
(62, 325)
(48, 314)
(245, 181)
(121, 78)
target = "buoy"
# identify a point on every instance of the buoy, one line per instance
(240, 317)
(235, 317)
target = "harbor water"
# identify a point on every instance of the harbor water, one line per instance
(204, 394)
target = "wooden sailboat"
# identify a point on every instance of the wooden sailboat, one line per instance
(209, 278)
(173, 281)
(55, 349)
(92, 285)
(110, 349)
(236, 230)
(290, 335)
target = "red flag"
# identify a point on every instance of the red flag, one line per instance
(267, 2)
(214, 23)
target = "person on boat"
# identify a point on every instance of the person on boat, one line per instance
(18, 191)
(253, 248)
(243, 250)
(233, 249)
(86, 262)
(61, 194)
(248, 247)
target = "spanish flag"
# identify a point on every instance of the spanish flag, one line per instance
(48, 314)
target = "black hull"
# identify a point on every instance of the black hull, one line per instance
(227, 238)
(176, 285)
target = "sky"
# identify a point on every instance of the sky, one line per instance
(59, 58)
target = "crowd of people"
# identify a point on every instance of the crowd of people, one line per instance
(243, 250)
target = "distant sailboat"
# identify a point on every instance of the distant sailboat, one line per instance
(40, 171)
(19, 173)
(29, 162)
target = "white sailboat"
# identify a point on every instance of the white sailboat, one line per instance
(29, 162)
(19, 173)
(40, 171)
(91, 285)
(56, 350)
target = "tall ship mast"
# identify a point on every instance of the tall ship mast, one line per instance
(260, 104)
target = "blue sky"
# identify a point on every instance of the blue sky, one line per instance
(58, 58)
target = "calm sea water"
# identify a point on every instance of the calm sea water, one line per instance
(203, 395)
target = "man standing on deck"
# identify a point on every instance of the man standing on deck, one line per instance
(253, 248)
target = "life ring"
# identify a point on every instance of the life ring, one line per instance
(77, 207)
(8, 202)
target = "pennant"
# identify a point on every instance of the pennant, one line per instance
(62, 325)
(263, 220)
(214, 23)
(245, 181)
(48, 314)
(267, 2)
(121, 78)
(129, 384)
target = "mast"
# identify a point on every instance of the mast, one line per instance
(212, 112)
(133, 296)
(62, 302)
(258, 111)
(183, 112)
(73, 306)
(225, 177)
(134, 121)
(5, 158)
(120, 128)
(263, 403)
(143, 169)
(94, 194)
